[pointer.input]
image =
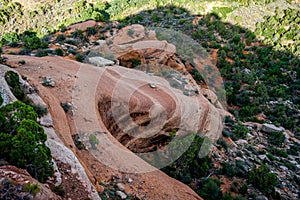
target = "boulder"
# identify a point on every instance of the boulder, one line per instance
(122, 195)
(48, 81)
(100, 61)
(268, 128)
(120, 186)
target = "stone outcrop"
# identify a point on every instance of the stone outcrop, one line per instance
(21, 177)
(122, 112)
(268, 128)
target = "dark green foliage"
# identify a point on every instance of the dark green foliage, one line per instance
(34, 43)
(294, 149)
(79, 57)
(13, 44)
(24, 51)
(239, 131)
(59, 190)
(42, 53)
(236, 168)
(189, 164)
(209, 189)
(59, 52)
(278, 152)
(60, 38)
(1, 99)
(66, 106)
(13, 81)
(22, 140)
(222, 143)
(79, 35)
(135, 62)
(78, 143)
(22, 62)
(31, 188)
(72, 42)
(276, 138)
(40, 110)
(91, 31)
(72, 51)
(262, 179)
(270, 156)
(197, 76)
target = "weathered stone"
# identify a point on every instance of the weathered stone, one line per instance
(268, 128)
(261, 197)
(284, 168)
(262, 157)
(121, 194)
(129, 180)
(48, 81)
(100, 62)
(241, 142)
(120, 186)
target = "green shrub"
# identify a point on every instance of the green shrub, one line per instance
(60, 38)
(276, 138)
(24, 51)
(234, 169)
(79, 57)
(13, 81)
(94, 141)
(59, 52)
(22, 62)
(42, 53)
(34, 43)
(31, 188)
(278, 152)
(262, 179)
(293, 150)
(135, 62)
(222, 143)
(239, 131)
(78, 34)
(40, 110)
(189, 164)
(209, 189)
(59, 190)
(22, 140)
(91, 31)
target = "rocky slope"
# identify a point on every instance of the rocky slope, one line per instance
(114, 109)
(108, 110)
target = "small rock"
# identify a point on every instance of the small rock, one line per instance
(284, 168)
(241, 142)
(152, 85)
(261, 197)
(120, 186)
(294, 162)
(262, 157)
(48, 81)
(121, 194)
(129, 180)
